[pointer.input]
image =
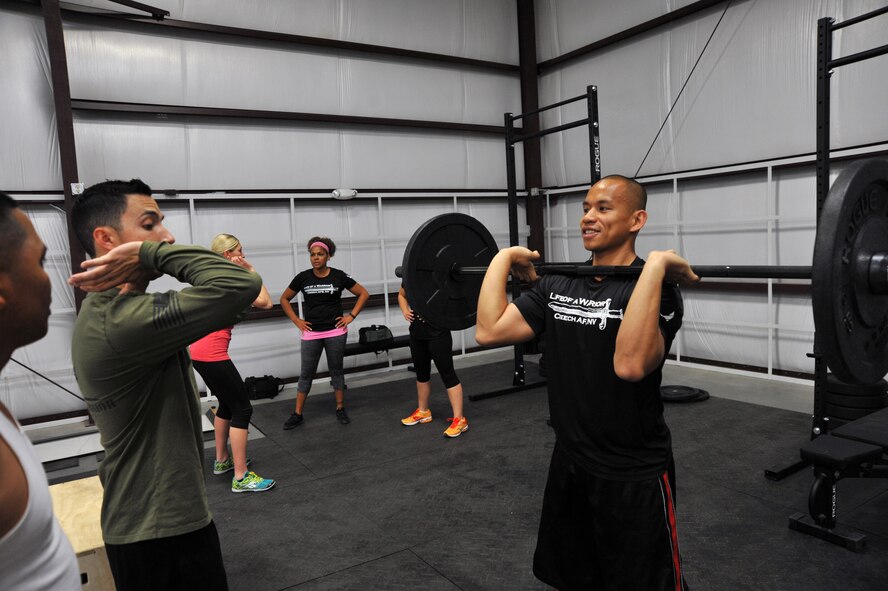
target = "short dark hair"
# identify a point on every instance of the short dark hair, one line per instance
(12, 234)
(634, 189)
(102, 204)
(331, 246)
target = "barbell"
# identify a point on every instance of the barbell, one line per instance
(446, 258)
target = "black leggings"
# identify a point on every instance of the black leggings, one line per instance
(439, 349)
(225, 383)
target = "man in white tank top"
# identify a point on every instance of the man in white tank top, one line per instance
(34, 552)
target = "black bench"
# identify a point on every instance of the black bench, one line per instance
(872, 428)
(854, 450)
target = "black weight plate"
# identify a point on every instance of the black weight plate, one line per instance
(838, 387)
(847, 413)
(856, 401)
(850, 318)
(437, 294)
(682, 394)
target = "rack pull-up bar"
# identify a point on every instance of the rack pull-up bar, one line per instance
(541, 133)
(861, 55)
(860, 19)
(513, 138)
(591, 120)
(547, 107)
(825, 65)
(858, 57)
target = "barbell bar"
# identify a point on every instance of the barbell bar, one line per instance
(585, 269)
(447, 257)
(738, 271)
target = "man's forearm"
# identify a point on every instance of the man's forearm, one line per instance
(159, 324)
(639, 345)
(199, 267)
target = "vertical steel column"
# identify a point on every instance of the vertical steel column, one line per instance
(58, 64)
(533, 169)
(824, 55)
(594, 137)
(518, 376)
(511, 182)
(380, 219)
(771, 210)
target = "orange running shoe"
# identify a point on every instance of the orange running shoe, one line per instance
(457, 426)
(418, 416)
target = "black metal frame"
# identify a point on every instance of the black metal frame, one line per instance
(156, 13)
(822, 500)
(825, 64)
(58, 66)
(826, 26)
(639, 29)
(165, 112)
(78, 13)
(519, 382)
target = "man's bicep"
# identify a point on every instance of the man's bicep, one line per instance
(512, 327)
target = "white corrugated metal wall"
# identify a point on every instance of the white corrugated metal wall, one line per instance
(751, 98)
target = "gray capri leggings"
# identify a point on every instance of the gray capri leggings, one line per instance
(311, 354)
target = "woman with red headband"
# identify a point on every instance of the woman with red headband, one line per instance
(324, 325)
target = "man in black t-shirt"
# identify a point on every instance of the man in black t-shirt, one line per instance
(608, 519)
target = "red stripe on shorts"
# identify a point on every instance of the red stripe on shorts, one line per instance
(673, 533)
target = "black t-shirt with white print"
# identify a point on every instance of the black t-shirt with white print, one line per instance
(323, 296)
(613, 428)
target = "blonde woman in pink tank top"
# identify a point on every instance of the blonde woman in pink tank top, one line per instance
(210, 358)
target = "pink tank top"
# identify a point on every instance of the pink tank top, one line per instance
(213, 347)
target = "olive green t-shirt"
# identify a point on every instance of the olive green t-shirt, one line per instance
(132, 366)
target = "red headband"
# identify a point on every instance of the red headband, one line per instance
(321, 244)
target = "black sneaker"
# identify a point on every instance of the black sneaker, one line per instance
(342, 417)
(294, 421)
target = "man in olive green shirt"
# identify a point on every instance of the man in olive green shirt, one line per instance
(131, 362)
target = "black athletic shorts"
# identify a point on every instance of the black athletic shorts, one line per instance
(185, 562)
(606, 534)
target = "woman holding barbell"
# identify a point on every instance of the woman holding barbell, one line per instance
(210, 358)
(428, 343)
(324, 326)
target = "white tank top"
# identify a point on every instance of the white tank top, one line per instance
(35, 554)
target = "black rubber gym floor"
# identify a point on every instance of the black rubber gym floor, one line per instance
(375, 505)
